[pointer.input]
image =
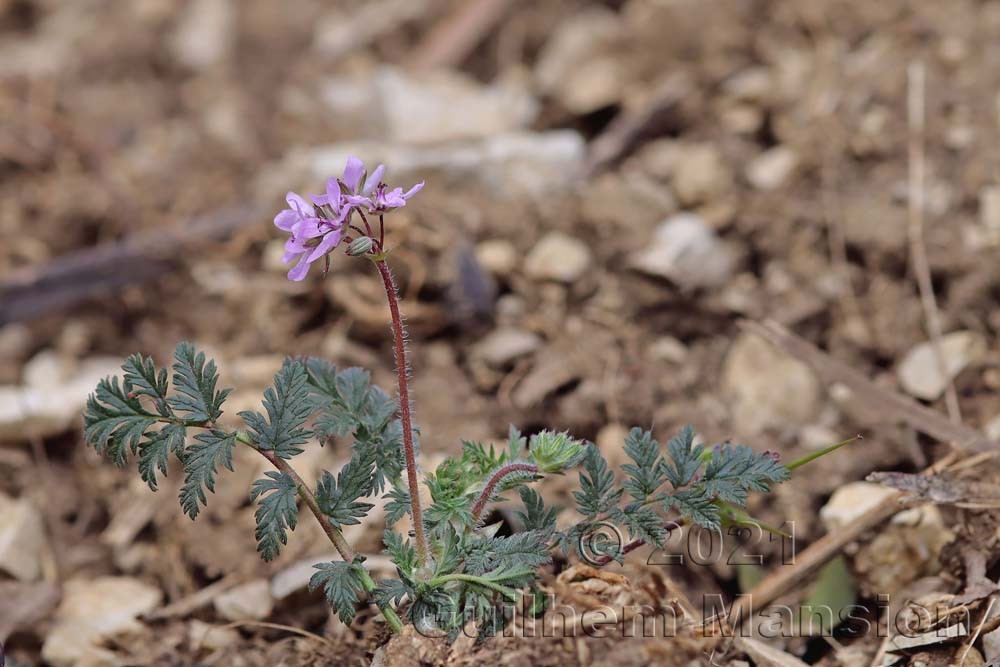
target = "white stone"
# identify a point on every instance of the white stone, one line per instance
(497, 256)
(768, 389)
(668, 348)
(686, 251)
(249, 601)
(444, 105)
(701, 174)
(989, 208)
(851, 501)
(204, 34)
(510, 164)
(558, 257)
(22, 538)
(502, 346)
(45, 369)
(211, 637)
(919, 372)
(93, 609)
(41, 411)
(770, 169)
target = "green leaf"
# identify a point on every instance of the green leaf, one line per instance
(392, 592)
(403, 554)
(352, 385)
(645, 474)
(643, 523)
(342, 584)
(696, 505)
(115, 421)
(276, 512)
(145, 380)
(155, 450)
(398, 505)
(288, 406)
(535, 515)
(528, 550)
(338, 498)
(734, 470)
(195, 379)
(210, 450)
(685, 459)
(597, 494)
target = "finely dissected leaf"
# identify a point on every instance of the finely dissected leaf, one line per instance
(528, 549)
(734, 470)
(155, 450)
(196, 379)
(392, 592)
(398, 505)
(685, 459)
(597, 494)
(338, 498)
(276, 512)
(645, 474)
(342, 583)
(210, 450)
(535, 515)
(403, 554)
(288, 406)
(643, 523)
(352, 385)
(696, 505)
(143, 378)
(115, 421)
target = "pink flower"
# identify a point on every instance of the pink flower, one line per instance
(311, 236)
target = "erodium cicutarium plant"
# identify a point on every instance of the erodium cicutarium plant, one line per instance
(452, 568)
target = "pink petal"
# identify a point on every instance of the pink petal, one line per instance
(328, 243)
(373, 180)
(285, 219)
(352, 173)
(414, 190)
(297, 203)
(299, 271)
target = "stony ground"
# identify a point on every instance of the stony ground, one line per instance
(612, 189)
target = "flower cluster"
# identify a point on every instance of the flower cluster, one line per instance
(317, 228)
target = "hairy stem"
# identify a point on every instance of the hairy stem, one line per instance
(332, 532)
(399, 346)
(495, 479)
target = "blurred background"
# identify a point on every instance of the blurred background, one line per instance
(611, 188)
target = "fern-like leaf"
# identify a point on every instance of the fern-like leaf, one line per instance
(342, 584)
(195, 378)
(338, 498)
(202, 459)
(597, 493)
(144, 379)
(154, 451)
(277, 511)
(645, 474)
(288, 406)
(685, 458)
(115, 421)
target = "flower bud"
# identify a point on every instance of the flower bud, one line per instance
(360, 246)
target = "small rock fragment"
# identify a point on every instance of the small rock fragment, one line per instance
(668, 348)
(497, 256)
(249, 601)
(686, 251)
(558, 257)
(92, 610)
(211, 637)
(445, 105)
(769, 389)
(504, 345)
(700, 174)
(851, 501)
(989, 208)
(919, 372)
(771, 169)
(22, 537)
(204, 33)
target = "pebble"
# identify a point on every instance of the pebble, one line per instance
(211, 637)
(249, 601)
(771, 169)
(668, 348)
(503, 346)
(768, 388)
(919, 373)
(989, 208)
(686, 251)
(22, 539)
(92, 610)
(850, 501)
(204, 34)
(53, 398)
(558, 257)
(701, 174)
(497, 256)
(442, 105)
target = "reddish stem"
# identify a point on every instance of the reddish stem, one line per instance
(629, 547)
(399, 346)
(496, 478)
